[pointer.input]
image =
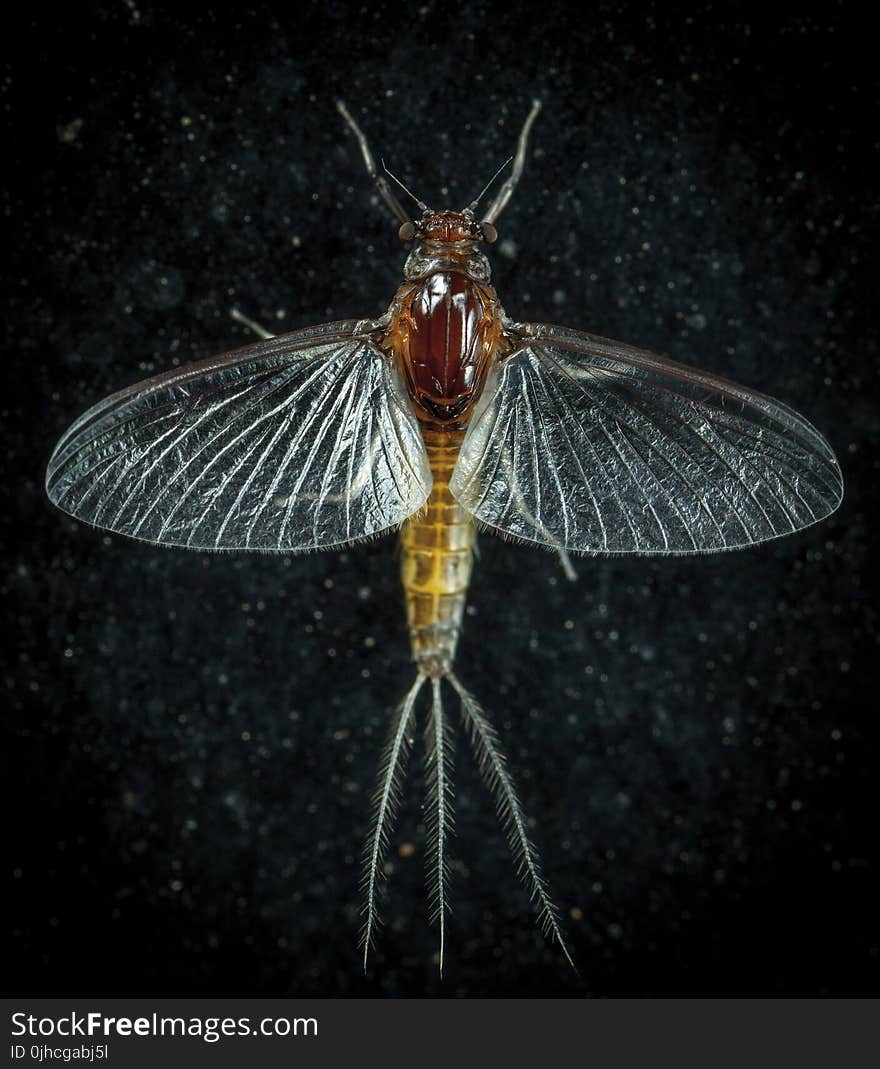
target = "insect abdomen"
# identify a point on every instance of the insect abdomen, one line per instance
(437, 555)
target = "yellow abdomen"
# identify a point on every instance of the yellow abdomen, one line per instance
(437, 556)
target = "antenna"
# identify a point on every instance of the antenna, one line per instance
(422, 205)
(473, 204)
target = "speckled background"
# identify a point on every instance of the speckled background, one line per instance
(193, 738)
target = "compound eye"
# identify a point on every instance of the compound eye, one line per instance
(407, 231)
(490, 234)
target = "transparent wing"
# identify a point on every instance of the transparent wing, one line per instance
(304, 441)
(589, 445)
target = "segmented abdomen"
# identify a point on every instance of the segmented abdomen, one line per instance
(437, 556)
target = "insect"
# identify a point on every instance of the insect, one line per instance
(440, 416)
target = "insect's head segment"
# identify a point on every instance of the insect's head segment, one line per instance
(447, 228)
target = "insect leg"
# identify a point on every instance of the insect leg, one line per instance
(353, 492)
(367, 468)
(260, 332)
(567, 567)
(372, 170)
(524, 511)
(504, 194)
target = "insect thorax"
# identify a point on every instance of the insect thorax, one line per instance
(445, 332)
(463, 256)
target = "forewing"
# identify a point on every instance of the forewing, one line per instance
(305, 441)
(592, 446)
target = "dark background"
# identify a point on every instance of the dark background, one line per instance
(193, 738)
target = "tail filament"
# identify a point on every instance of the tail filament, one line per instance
(493, 766)
(439, 810)
(385, 804)
(438, 763)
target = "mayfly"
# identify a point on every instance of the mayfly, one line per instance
(440, 416)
